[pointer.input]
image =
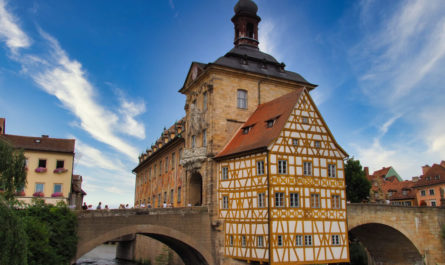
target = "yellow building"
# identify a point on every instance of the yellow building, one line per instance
(255, 150)
(49, 165)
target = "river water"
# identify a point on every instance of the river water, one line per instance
(103, 255)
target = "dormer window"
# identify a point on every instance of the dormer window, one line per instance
(247, 129)
(437, 177)
(428, 178)
(270, 123)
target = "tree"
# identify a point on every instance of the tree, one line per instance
(357, 186)
(12, 169)
(13, 247)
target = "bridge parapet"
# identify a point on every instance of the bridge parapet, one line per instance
(140, 212)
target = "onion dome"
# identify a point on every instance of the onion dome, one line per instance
(246, 7)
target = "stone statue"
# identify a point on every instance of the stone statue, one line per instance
(196, 120)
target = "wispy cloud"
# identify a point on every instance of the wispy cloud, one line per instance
(401, 62)
(268, 36)
(172, 5)
(65, 78)
(91, 157)
(10, 31)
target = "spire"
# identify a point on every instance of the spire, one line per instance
(246, 23)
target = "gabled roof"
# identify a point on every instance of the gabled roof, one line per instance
(40, 143)
(398, 187)
(259, 136)
(434, 175)
(381, 172)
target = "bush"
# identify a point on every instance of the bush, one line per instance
(13, 250)
(37, 234)
(54, 229)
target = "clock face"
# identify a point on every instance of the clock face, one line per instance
(194, 72)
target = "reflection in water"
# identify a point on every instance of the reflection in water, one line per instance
(103, 255)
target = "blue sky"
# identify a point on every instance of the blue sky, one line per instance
(107, 74)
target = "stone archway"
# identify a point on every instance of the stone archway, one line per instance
(195, 189)
(386, 245)
(190, 250)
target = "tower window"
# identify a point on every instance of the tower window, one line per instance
(204, 138)
(193, 141)
(249, 28)
(242, 99)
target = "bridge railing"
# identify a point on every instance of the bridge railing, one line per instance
(139, 211)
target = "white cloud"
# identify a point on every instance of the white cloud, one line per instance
(268, 37)
(128, 111)
(14, 37)
(91, 157)
(401, 64)
(65, 78)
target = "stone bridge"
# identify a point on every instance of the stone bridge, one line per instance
(185, 230)
(398, 234)
(391, 234)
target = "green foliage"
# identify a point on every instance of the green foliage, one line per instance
(357, 186)
(12, 170)
(13, 246)
(45, 233)
(54, 232)
(357, 254)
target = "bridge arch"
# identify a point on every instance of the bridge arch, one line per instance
(190, 251)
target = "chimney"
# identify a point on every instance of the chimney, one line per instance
(366, 171)
(2, 125)
(415, 179)
(425, 168)
(45, 136)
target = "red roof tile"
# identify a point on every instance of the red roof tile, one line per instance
(381, 172)
(434, 175)
(397, 188)
(260, 136)
(40, 143)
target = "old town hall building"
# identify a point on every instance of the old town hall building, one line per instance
(254, 149)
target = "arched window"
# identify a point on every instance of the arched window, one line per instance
(249, 30)
(242, 99)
